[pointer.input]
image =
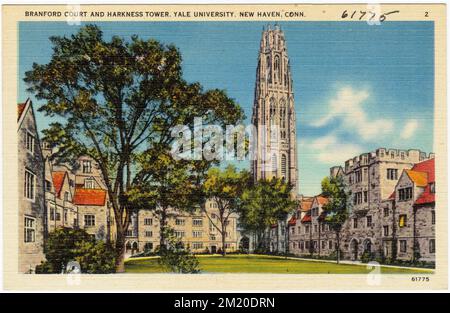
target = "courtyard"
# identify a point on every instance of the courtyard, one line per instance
(239, 263)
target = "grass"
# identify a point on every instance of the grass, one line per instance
(263, 264)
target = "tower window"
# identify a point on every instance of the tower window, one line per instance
(283, 165)
(277, 69)
(274, 163)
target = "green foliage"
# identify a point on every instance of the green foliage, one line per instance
(337, 207)
(95, 257)
(264, 203)
(225, 187)
(367, 256)
(175, 257)
(117, 101)
(64, 245)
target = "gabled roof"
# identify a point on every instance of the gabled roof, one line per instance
(322, 200)
(306, 218)
(20, 109)
(58, 181)
(420, 179)
(305, 205)
(84, 196)
(427, 195)
(427, 167)
(292, 221)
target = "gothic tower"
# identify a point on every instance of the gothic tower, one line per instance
(274, 112)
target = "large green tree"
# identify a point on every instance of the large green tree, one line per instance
(337, 207)
(165, 184)
(225, 188)
(264, 204)
(116, 99)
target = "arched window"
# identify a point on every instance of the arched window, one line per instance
(273, 111)
(274, 163)
(283, 166)
(283, 110)
(277, 68)
(269, 69)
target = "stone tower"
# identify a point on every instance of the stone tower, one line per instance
(274, 112)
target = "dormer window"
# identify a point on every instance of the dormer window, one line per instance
(89, 183)
(432, 188)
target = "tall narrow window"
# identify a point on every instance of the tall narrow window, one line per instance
(402, 220)
(268, 69)
(29, 141)
(29, 185)
(273, 111)
(87, 166)
(29, 229)
(277, 69)
(283, 166)
(432, 245)
(274, 163)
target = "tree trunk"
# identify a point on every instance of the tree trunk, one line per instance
(223, 233)
(223, 239)
(338, 251)
(120, 251)
(162, 236)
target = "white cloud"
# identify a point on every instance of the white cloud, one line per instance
(329, 150)
(409, 129)
(347, 108)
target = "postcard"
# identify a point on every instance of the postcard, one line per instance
(225, 147)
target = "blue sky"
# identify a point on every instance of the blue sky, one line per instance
(357, 86)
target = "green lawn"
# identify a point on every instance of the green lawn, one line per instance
(262, 264)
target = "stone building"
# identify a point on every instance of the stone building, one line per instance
(274, 119)
(310, 235)
(194, 229)
(409, 215)
(31, 200)
(370, 179)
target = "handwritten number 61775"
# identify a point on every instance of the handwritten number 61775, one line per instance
(370, 15)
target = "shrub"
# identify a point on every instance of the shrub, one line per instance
(64, 245)
(95, 258)
(367, 256)
(175, 257)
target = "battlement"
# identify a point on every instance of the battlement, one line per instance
(386, 155)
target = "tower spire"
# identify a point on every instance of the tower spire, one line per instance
(274, 111)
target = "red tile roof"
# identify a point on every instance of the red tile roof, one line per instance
(20, 108)
(428, 167)
(292, 221)
(305, 205)
(58, 181)
(322, 200)
(306, 218)
(95, 197)
(426, 197)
